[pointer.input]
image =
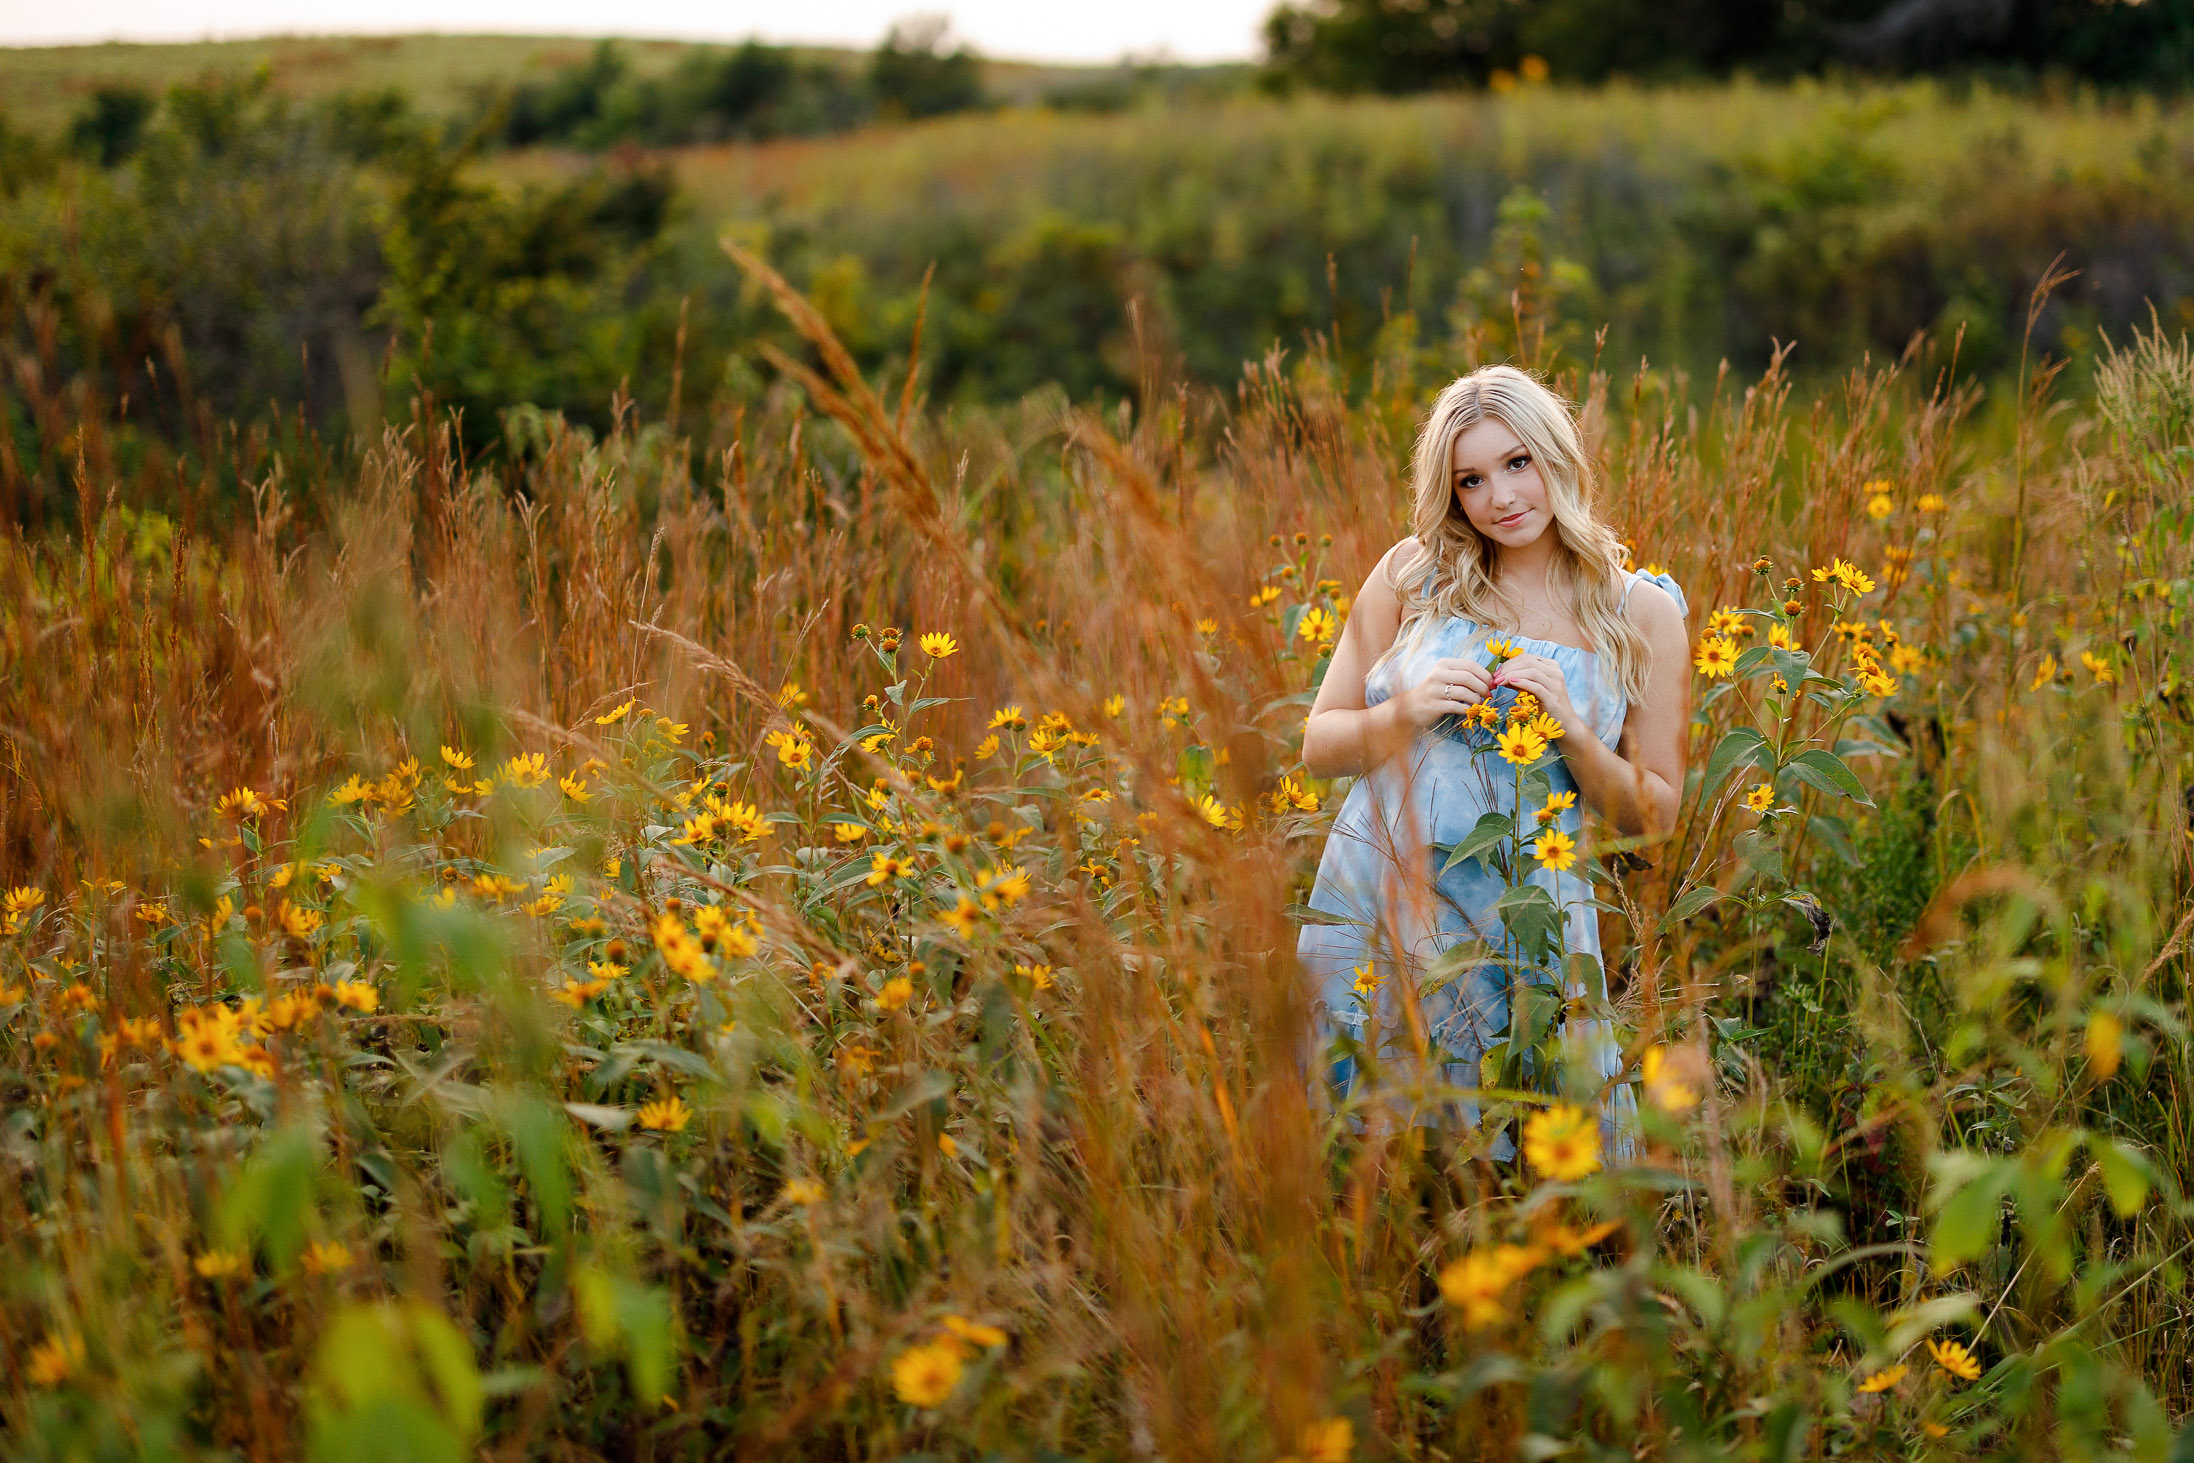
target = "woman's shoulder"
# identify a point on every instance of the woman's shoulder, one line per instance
(1654, 599)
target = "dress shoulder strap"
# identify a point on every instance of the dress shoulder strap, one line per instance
(1666, 581)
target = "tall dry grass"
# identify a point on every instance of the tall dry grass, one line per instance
(331, 1131)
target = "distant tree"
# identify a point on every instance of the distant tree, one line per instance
(111, 124)
(1390, 46)
(913, 75)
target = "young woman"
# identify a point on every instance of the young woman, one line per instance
(1506, 548)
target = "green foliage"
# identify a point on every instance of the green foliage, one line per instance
(914, 76)
(111, 124)
(1372, 45)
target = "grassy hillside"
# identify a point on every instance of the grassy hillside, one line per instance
(40, 87)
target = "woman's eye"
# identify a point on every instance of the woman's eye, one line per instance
(1519, 461)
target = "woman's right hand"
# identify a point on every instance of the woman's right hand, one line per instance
(1452, 687)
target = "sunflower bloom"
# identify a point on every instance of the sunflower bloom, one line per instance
(1717, 657)
(1555, 850)
(1954, 1358)
(1329, 1440)
(925, 1375)
(1478, 1283)
(1761, 798)
(1317, 626)
(1884, 1379)
(1563, 1142)
(1673, 1078)
(1521, 746)
(666, 1115)
(937, 645)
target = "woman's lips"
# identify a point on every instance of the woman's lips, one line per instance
(1513, 519)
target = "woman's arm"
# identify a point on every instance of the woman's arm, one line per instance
(1636, 786)
(1343, 738)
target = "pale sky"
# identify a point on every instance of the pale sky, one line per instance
(1036, 30)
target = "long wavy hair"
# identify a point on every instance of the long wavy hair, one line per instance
(1448, 569)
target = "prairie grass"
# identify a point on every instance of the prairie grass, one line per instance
(777, 1067)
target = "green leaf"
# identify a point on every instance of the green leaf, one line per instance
(1532, 917)
(272, 1196)
(1305, 914)
(1826, 771)
(1760, 851)
(1835, 836)
(2125, 1173)
(1738, 745)
(1695, 901)
(1492, 830)
(1972, 1216)
(538, 1133)
(1532, 1009)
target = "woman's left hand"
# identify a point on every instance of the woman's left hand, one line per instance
(1542, 677)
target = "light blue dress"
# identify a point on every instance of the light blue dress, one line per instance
(1435, 795)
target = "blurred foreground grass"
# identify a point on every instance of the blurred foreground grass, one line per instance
(595, 959)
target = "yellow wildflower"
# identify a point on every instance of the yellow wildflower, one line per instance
(987, 748)
(53, 1360)
(1008, 718)
(1761, 798)
(1521, 745)
(1846, 574)
(896, 993)
(2105, 1044)
(1329, 1440)
(937, 645)
(1038, 976)
(1000, 884)
(1930, 503)
(1555, 850)
(527, 769)
(1218, 814)
(327, 1257)
(1114, 705)
(575, 787)
(1562, 1142)
(1716, 658)
(1478, 1283)
(964, 917)
(681, 951)
(925, 1375)
(358, 995)
(882, 866)
(666, 1115)
(220, 1264)
(975, 1333)
(1556, 805)
(1317, 626)
(616, 713)
(1884, 1379)
(790, 695)
(1366, 984)
(1673, 1077)
(1954, 1358)
(2099, 667)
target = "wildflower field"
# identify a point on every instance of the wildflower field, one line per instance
(774, 936)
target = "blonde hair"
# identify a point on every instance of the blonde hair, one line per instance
(1448, 567)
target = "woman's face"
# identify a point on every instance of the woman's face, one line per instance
(1497, 482)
